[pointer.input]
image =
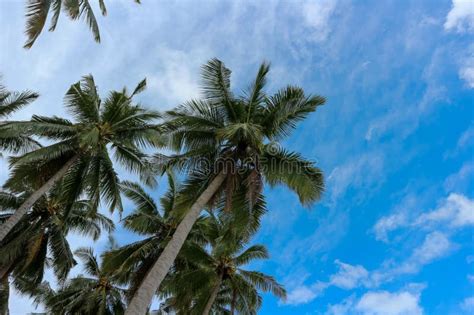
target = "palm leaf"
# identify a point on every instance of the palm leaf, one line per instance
(36, 14)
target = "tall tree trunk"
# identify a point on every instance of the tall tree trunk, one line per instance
(232, 303)
(5, 270)
(213, 296)
(152, 281)
(13, 220)
(4, 294)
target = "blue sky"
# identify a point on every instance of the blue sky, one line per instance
(394, 231)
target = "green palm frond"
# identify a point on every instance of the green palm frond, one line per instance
(89, 260)
(251, 253)
(256, 96)
(264, 282)
(86, 10)
(82, 100)
(11, 102)
(36, 15)
(216, 85)
(289, 168)
(56, 8)
(285, 109)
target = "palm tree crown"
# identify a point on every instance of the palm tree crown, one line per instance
(226, 143)
(241, 133)
(80, 151)
(37, 13)
(95, 293)
(215, 278)
(39, 240)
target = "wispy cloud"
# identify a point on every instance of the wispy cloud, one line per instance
(466, 72)
(467, 304)
(435, 246)
(316, 14)
(455, 211)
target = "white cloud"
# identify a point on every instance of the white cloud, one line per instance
(466, 72)
(468, 304)
(364, 172)
(348, 276)
(403, 302)
(178, 77)
(461, 16)
(388, 224)
(456, 211)
(435, 245)
(343, 308)
(316, 14)
(386, 303)
(461, 178)
(304, 294)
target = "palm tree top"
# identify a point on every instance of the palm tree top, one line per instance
(244, 129)
(115, 123)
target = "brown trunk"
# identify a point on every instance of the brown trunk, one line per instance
(13, 220)
(4, 292)
(213, 296)
(152, 281)
(232, 304)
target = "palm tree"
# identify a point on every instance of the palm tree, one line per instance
(96, 293)
(39, 240)
(131, 262)
(80, 155)
(216, 277)
(10, 102)
(37, 13)
(237, 136)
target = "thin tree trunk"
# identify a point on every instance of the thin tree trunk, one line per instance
(232, 304)
(4, 294)
(152, 281)
(5, 270)
(213, 296)
(13, 220)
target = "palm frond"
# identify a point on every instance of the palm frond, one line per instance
(36, 15)
(56, 8)
(216, 85)
(289, 168)
(286, 108)
(86, 10)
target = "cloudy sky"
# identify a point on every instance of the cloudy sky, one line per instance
(394, 231)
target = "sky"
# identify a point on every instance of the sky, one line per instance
(393, 233)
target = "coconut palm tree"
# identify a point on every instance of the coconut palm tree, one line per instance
(80, 154)
(131, 262)
(37, 13)
(10, 102)
(95, 293)
(216, 276)
(237, 137)
(39, 240)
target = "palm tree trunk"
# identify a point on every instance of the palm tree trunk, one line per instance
(13, 220)
(213, 296)
(152, 281)
(5, 270)
(4, 294)
(232, 304)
